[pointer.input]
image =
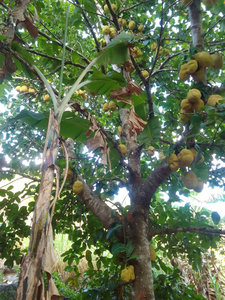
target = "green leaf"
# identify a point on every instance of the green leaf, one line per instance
(102, 84)
(116, 54)
(112, 231)
(118, 247)
(22, 52)
(88, 255)
(151, 132)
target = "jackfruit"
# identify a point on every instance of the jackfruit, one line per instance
(183, 74)
(131, 25)
(199, 186)
(106, 30)
(195, 153)
(141, 28)
(105, 107)
(46, 97)
(123, 149)
(198, 104)
(112, 105)
(192, 66)
(78, 187)
(190, 180)
(120, 130)
(145, 73)
(186, 105)
(173, 162)
(204, 59)
(199, 75)
(183, 115)
(213, 100)
(18, 88)
(153, 46)
(112, 32)
(24, 89)
(150, 151)
(127, 274)
(185, 158)
(217, 60)
(152, 253)
(193, 95)
(69, 174)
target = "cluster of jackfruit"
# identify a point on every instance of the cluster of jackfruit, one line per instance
(25, 89)
(127, 274)
(109, 106)
(192, 103)
(184, 159)
(196, 67)
(82, 93)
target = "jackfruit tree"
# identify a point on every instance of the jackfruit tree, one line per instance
(97, 98)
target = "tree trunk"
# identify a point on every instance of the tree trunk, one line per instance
(143, 284)
(195, 16)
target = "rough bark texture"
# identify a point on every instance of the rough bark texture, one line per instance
(99, 208)
(31, 265)
(143, 284)
(196, 24)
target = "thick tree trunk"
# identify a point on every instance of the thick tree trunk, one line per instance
(143, 284)
(195, 16)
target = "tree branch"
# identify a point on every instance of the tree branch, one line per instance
(98, 207)
(196, 229)
(21, 174)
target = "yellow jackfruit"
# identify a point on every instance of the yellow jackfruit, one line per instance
(190, 180)
(217, 60)
(204, 59)
(167, 52)
(192, 66)
(145, 73)
(114, 7)
(120, 130)
(183, 115)
(46, 97)
(193, 95)
(152, 253)
(199, 75)
(160, 51)
(124, 23)
(198, 104)
(112, 105)
(161, 155)
(112, 32)
(69, 174)
(183, 74)
(185, 158)
(173, 162)
(141, 28)
(137, 53)
(105, 107)
(185, 105)
(106, 30)
(18, 88)
(78, 187)
(213, 100)
(153, 46)
(123, 149)
(150, 151)
(131, 25)
(24, 89)
(31, 90)
(195, 153)
(127, 274)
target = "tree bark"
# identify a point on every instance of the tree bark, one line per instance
(142, 287)
(195, 16)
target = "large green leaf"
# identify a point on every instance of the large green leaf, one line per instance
(102, 84)
(151, 132)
